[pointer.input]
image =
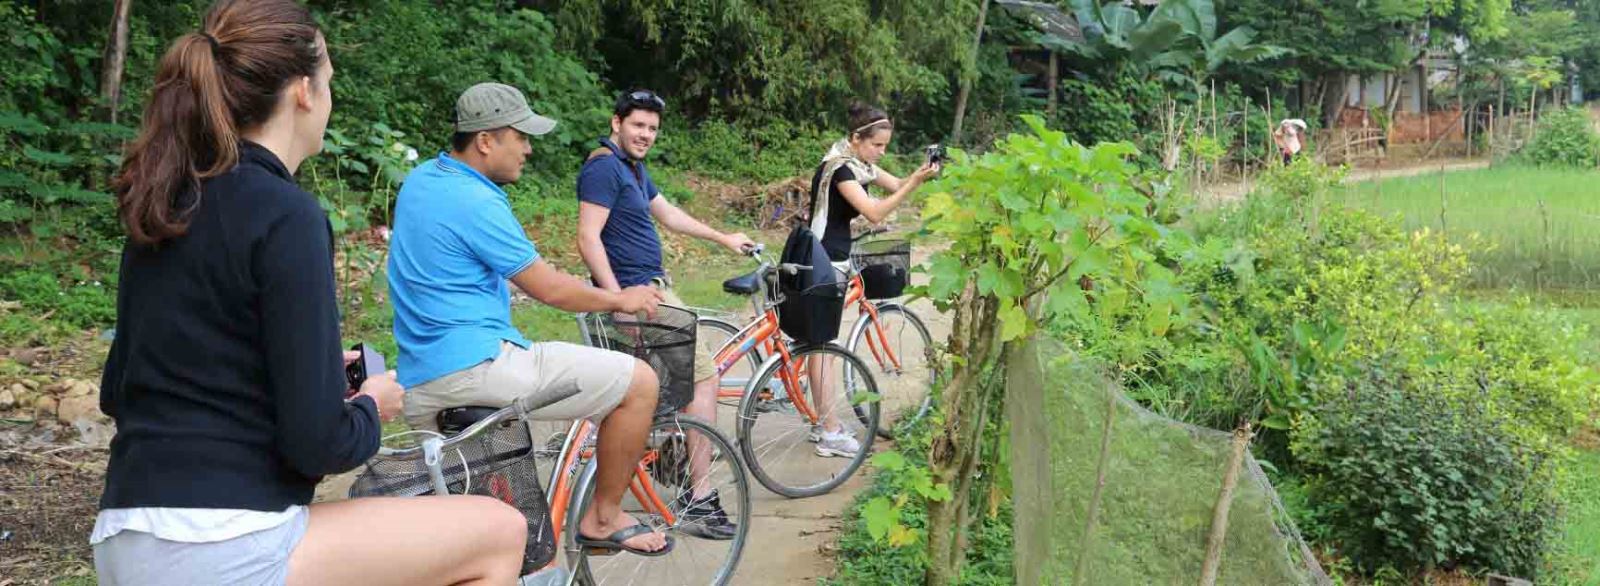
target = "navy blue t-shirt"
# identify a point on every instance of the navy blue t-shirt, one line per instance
(629, 236)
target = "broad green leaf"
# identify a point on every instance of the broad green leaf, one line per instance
(889, 461)
(1066, 298)
(880, 516)
(1278, 421)
(1093, 262)
(1158, 319)
(901, 536)
(1113, 301)
(1013, 322)
(938, 492)
(864, 397)
(946, 276)
(988, 279)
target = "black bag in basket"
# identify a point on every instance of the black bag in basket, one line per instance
(885, 267)
(813, 300)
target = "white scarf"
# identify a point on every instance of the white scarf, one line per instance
(839, 155)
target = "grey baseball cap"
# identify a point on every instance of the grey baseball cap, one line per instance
(489, 105)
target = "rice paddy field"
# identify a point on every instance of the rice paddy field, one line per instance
(1541, 226)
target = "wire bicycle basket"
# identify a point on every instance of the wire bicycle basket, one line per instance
(665, 342)
(498, 462)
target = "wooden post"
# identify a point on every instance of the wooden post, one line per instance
(1219, 513)
(1053, 81)
(1245, 123)
(1087, 544)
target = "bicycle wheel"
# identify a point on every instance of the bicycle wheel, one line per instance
(693, 560)
(907, 389)
(715, 333)
(781, 446)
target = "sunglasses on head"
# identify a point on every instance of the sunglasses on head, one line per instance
(647, 98)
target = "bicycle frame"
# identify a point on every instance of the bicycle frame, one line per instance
(577, 452)
(879, 345)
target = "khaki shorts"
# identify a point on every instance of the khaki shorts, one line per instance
(705, 365)
(601, 378)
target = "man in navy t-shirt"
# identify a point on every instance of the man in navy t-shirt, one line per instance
(618, 207)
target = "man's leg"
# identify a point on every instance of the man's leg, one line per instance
(704, 406)
(622, 434)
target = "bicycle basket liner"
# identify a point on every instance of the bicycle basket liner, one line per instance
(812, 316)
(665, 342)
(501, 464)
(885, 267)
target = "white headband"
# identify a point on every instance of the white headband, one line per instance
(869, 125)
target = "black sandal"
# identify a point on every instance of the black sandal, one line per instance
(613, 543)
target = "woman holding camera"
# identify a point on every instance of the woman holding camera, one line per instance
(839, 186)
(838, 196)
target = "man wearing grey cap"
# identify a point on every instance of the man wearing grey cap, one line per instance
(455, 245)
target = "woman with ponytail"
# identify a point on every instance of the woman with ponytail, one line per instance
(225, 377)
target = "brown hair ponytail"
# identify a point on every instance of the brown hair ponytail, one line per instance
(210, 87)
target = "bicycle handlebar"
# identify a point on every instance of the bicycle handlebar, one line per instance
(874, 231)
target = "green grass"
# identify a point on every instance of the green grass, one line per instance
(1543, 225)
(1581, 555)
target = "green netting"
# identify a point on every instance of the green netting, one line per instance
(1162, 479)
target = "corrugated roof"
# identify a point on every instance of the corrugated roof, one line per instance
(1047, 17)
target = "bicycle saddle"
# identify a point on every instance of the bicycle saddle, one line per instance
(452, 421)
(742, 285)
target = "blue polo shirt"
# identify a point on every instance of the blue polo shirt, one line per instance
(455, 244)
(619, 184)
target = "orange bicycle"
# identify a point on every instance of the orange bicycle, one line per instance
(789, 403)
(886, 335)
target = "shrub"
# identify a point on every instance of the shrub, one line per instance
(868, 559)
(1566, 138)
(723, 150)
(1417, 480)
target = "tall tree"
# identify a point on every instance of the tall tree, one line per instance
(115, 56)
(969, 71)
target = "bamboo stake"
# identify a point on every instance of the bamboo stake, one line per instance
(1219, 515)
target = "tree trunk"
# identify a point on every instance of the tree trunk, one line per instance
(967, 75)
(1333, 99)
(1051, 81)
(953, 453)
(116, 54)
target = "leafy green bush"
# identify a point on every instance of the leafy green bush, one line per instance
(410, 81)
(1412, 479)
(731, 152)
(1566, 138)
(1296, 300)
(80, 304)
(869, 553)
(1096, 110)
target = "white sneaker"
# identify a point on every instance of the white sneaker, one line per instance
(838, 443)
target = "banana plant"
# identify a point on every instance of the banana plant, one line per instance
(1177, 42)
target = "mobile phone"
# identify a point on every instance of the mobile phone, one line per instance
(370, 362)
(935, 154)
